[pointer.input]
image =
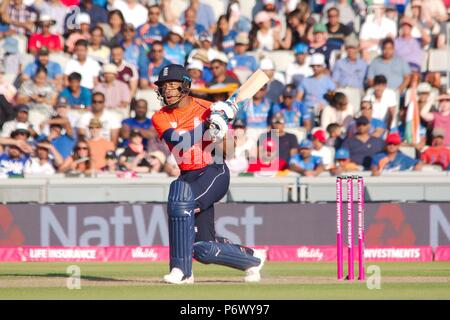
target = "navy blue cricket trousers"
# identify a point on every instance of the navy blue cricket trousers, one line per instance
(209, 185)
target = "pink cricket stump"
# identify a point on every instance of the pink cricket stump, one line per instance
(361, 228)
(351, 271)
(340, 252)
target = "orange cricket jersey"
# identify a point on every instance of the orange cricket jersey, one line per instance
(182, 120)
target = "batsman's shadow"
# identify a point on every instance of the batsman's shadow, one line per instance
(61, 275)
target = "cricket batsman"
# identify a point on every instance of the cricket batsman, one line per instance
(183, 123)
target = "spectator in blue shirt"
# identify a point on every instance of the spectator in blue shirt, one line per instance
(54, 71)
(205, 15)
(304, 162)
(392, 159)
(149, 68)
(257, 112)
(313, 89)
(139, 122)
(294, 112)
(174, 49)
(351, 70)
(241, 61)
(12, 162)
(97, 13)
(152, 30)
(61, 134)
(192, 29)
(377, 126)
(395, 69)
(132, 51)
(363, 146)
(77, 97)
(224, 38)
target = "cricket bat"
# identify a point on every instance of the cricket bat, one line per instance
(246, 91)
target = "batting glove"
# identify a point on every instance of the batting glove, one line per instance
(218, 125)
(228, 109)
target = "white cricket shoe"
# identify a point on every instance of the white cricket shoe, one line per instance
(252, 274)
(176, 276)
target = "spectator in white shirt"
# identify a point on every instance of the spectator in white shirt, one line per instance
(300, 68)
(320, 149)
(385, 101)
(46, 160)
(110, 121)
(132, 11)
(84, 65)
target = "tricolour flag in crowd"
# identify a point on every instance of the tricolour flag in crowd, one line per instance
(412, 126)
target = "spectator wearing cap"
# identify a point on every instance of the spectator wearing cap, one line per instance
(63, 110)
(134, 157)
(44, 38)
(377, 127)
(192, 29)
(114, 28)
(264, 36)
(362, 146)
(139, 122)
(56, 10)
(97, 50)
(205, 53)
(204, 15)
(54, 71)
(304, 162)
(426, 96)
(39, 95)
(83, 21)
(133, 51)
(320, 148)
(98, 146)
(20, 17)
(319, 42)
(13, 161)
(84, 65)
(77, 96)
(343, 163)
(349, 72)
(287, 142)
(294, 112)
(126, 72)
(149, 67)
(384, 100)
(337, 31)
(276, 82)
(219, 70)
(437, 153)
(157, 161)
(346, 12)
(299, 69)
(195, 71)
(395, 69)
(117, 93)
(376, 27)
(392, 159)
(110, 121)
(152, 30)
(45, 161)
(441, 118)
(338, 111)
(224, 38)
(174, 48)
(407, 47)
(132, 11)
(20, 118)
(243, 147)
(313, 89)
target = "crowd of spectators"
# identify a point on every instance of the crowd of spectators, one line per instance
(77, 88)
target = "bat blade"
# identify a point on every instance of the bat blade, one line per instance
(256, 81)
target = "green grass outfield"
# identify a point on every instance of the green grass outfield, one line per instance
(281, 280)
